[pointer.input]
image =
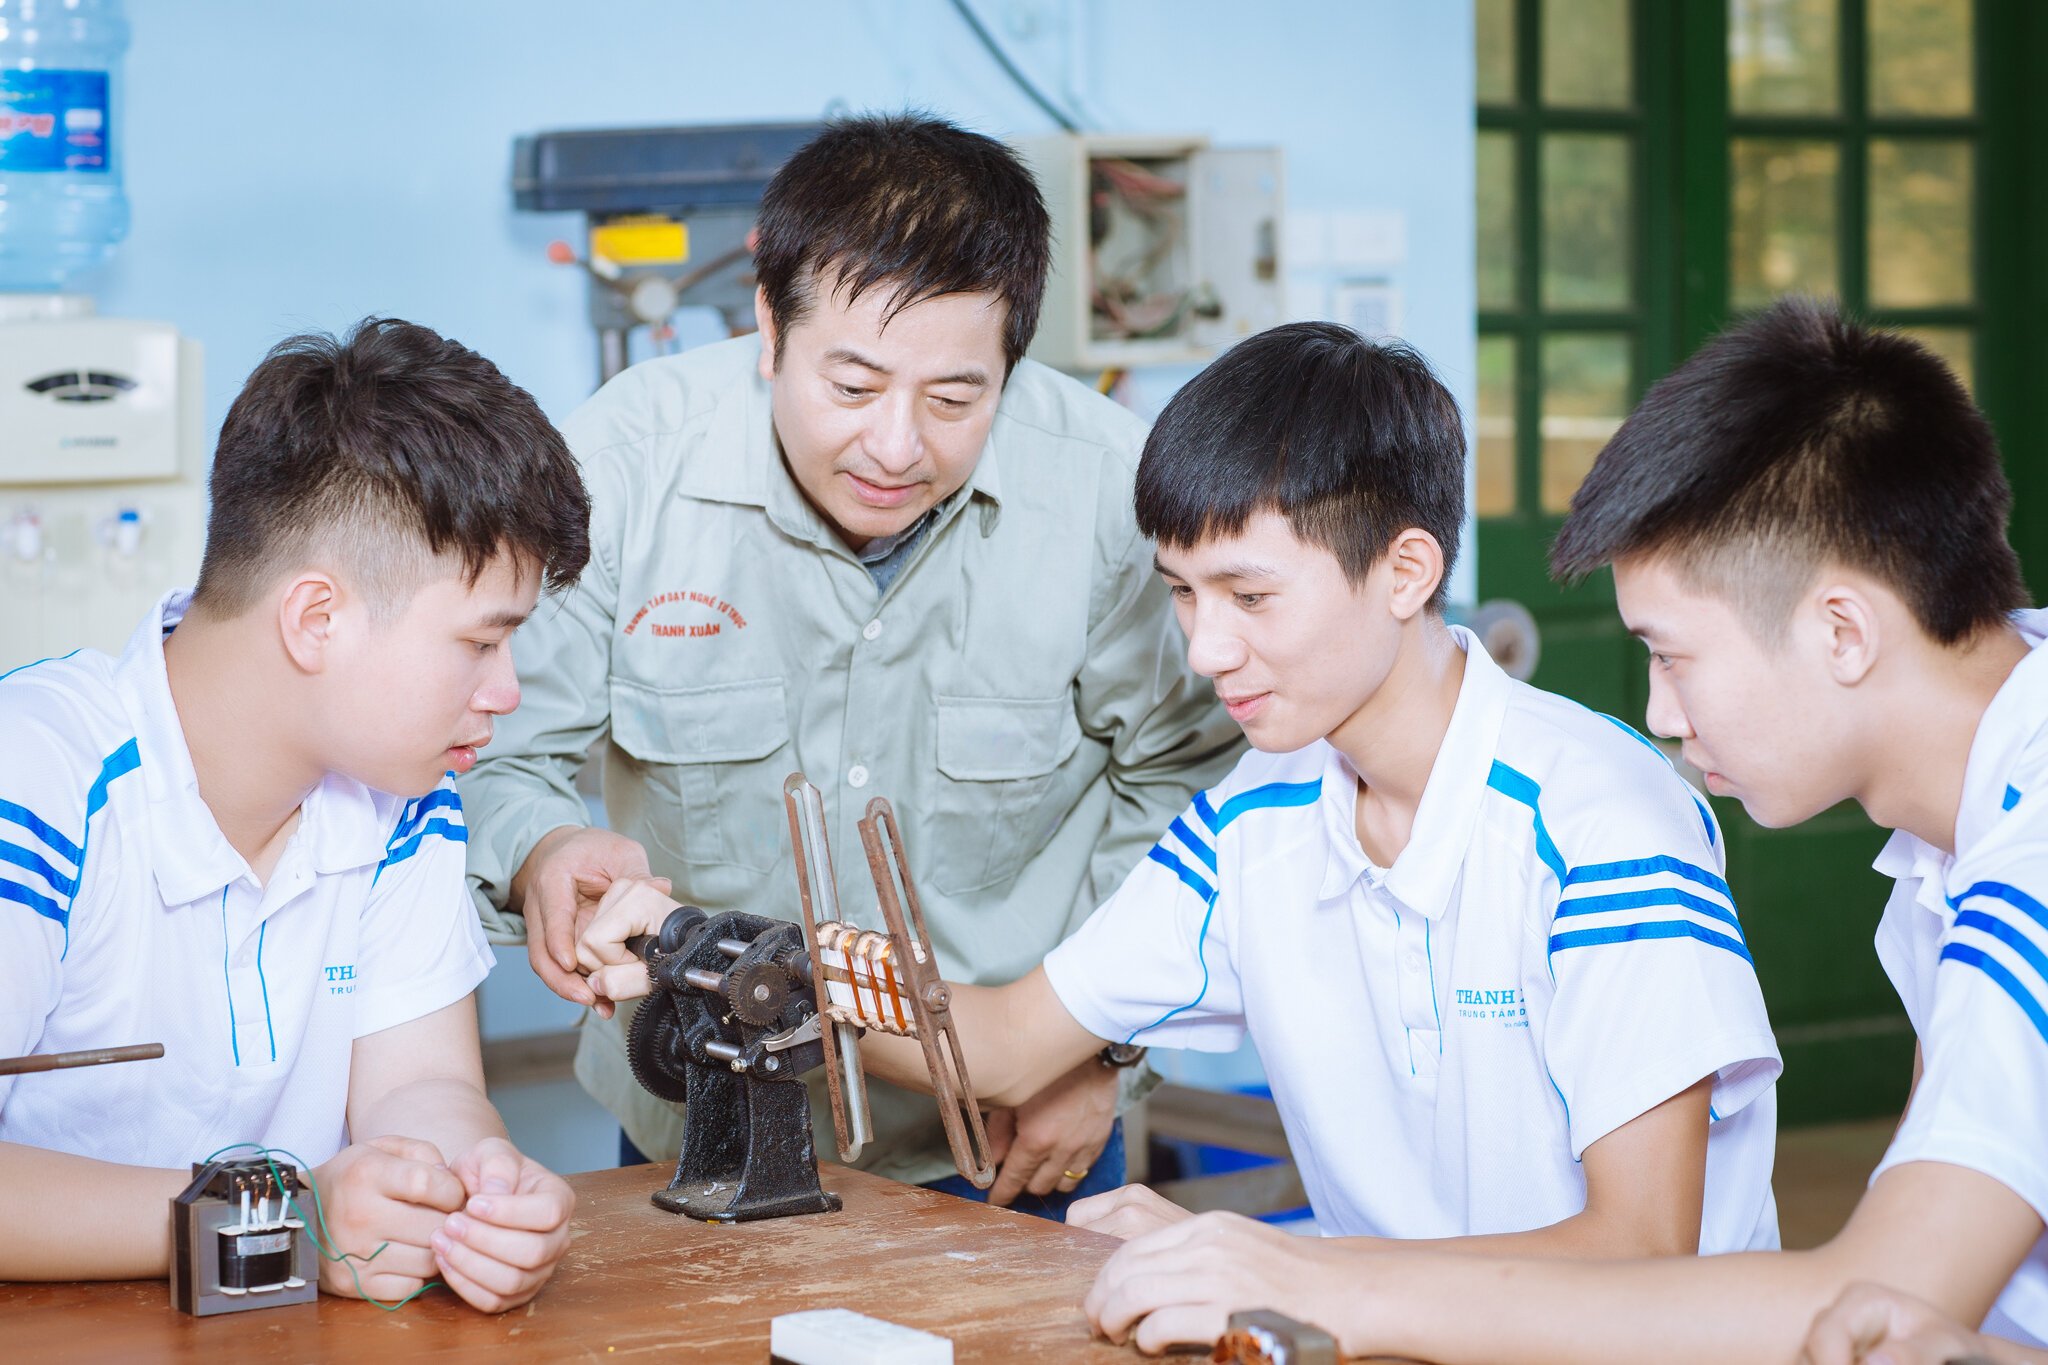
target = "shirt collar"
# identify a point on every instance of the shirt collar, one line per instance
(745, 421)
(1908, 857)
(881, 547)
(189, 855)
(1427, 870)
(2009, 724)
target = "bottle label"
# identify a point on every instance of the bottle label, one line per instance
(53, 121)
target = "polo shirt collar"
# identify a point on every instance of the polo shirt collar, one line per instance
(2008, 727)
(1907, 856)
(2010, 724)
(744, 421)
(189, 855)
(1427, 870)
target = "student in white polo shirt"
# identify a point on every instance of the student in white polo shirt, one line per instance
(241, 839)
(1807, 523)
(1478, 933)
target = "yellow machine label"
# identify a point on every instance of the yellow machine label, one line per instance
(642, 239)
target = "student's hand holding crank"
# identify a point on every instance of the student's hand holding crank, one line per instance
(501, 1246)
(559, 889)
(630, 906)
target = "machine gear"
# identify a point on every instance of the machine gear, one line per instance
(757, 991)
(654, 1049)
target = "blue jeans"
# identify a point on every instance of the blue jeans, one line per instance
(1106, 1174)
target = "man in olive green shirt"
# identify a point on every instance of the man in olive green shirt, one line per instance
(874, 544)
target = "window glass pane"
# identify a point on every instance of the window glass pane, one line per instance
(1495, 21)
(1585, 397)
(1782, 219)
(1920, 56)
(1919, 222)
(1782, 57)
(1956, 345)
(1497, 235)
(1587, 51)
(1588, 255)
(1494, 485)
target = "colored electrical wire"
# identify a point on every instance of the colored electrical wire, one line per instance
(1010, 69)
(346, 1258)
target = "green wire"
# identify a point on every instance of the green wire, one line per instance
(269, 1155)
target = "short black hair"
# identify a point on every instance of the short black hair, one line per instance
(394, 445)
(909, 202)
(1352, 441)
(1796, 439)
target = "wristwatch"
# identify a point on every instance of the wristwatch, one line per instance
(1119, 1055)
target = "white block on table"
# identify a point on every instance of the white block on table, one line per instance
(840, 1336)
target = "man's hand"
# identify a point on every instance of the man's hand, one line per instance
(1126, 1212)
(1048, 1142)
(1872, 1325)
(1182, 1283)
(502, 1246)
(558, 888)
(392, 1192)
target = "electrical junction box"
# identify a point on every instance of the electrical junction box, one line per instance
(1165, 250)
(102, 476)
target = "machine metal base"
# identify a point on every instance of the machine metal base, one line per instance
(712, 1202)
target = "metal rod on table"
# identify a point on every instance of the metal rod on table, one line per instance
(97, 1056)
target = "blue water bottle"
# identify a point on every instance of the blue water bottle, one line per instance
(62, 209)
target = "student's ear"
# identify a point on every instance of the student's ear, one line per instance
(306, 620)
(1417, 564)
(765, 320)
(1847, 619)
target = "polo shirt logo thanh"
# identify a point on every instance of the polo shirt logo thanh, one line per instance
(1505, 1004)
(341, 979)
(702, 605)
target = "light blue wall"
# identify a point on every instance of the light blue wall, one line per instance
(294, 164)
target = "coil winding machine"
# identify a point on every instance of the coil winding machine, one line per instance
(743, 1007)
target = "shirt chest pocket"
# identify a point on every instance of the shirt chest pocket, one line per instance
(711, 763)
(998, 797)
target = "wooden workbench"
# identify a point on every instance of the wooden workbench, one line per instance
(638, 1282)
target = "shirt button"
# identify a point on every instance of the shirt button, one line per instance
(871, 630)
(1414, 962)
(857, 775)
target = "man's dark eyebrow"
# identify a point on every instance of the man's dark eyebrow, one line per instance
(841, 355)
